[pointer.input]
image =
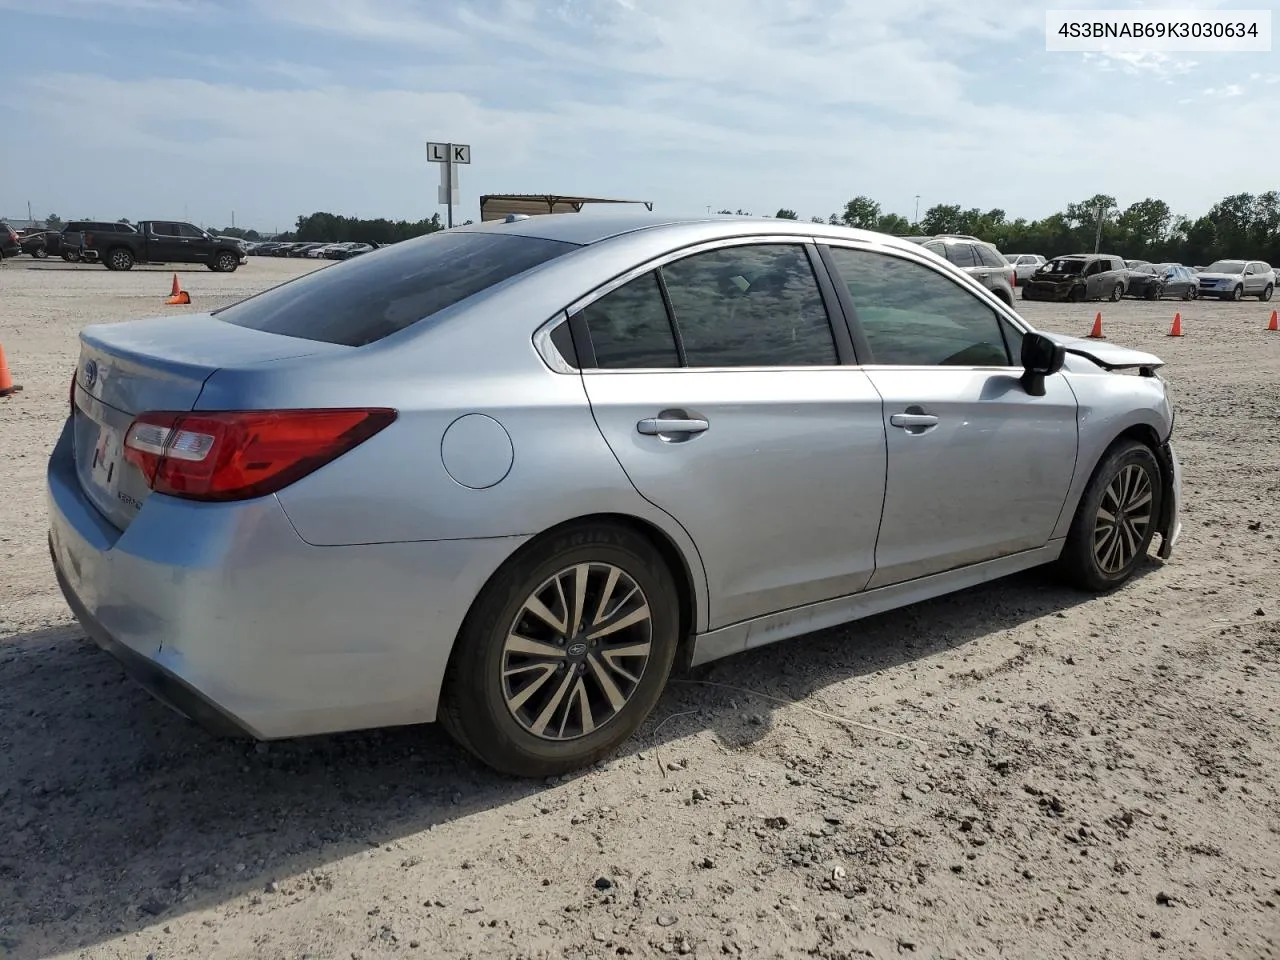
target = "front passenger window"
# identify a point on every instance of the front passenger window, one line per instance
(914, 316)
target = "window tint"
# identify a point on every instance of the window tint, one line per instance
(367, 298)
(562, 340)
(961, 254)
(988, 256)
(163, 229)
(187, 230)
(630, 327)
(750, 306)
(914, 316)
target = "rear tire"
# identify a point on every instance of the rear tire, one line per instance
(534, 700)
(1117, 292)
(1115, 520)
(40, 253)
(1265, 295)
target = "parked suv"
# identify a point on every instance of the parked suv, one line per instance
(1025, 264)
(9, 244)
(1236, 279)
(977, 258)
(1079, 277)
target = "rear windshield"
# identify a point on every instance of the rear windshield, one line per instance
(359, 301)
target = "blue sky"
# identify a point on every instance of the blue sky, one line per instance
(272, 108)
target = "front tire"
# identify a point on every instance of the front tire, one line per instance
(118, 259)
(226, 263)
(1117, 292)
(1116, 519)
(564, 652)
(40, 252)
(1238, 292)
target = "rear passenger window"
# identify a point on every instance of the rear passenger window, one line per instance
(961, 254)
(988, 256)
(750, 306)
(373, 296)
(914, 316)
(630, 328)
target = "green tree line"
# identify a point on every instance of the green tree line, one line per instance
(1242, 225)
(324, 227)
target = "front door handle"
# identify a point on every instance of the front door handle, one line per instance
(655, 426)
(914, 421)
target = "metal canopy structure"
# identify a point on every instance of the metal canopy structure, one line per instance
(496, 206)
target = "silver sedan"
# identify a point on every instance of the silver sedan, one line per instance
(510, 476)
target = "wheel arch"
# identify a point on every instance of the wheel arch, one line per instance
(1142, 427)
(685, 571)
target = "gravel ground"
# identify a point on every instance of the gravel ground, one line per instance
(1014, 771)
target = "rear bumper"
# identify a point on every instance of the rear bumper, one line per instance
(224, 613)
(148, 674)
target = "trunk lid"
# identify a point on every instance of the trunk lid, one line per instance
(151, 365)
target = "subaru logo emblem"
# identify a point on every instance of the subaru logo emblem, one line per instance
(90, 374)
(576, 649)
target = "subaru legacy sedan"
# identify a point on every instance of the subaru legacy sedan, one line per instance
(511, 475)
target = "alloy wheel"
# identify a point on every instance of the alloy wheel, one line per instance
(1123, 518)
(576, 651)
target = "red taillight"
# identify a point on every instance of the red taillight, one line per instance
(238, 455)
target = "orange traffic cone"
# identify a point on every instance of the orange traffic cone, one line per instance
(7, 386)
(177, 294)
(1096, 332)
(1274, 324)
(1176, 329)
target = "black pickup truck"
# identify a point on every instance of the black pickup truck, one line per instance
(162, 241)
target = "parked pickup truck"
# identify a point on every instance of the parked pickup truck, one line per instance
(163, 241)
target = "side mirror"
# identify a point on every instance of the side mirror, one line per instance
(1041, 357)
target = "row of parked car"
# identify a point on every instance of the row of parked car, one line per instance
(314, 251)
(1099, 276)
(118, 245)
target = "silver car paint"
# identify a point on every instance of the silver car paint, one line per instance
(378, 583)
(1223, 284)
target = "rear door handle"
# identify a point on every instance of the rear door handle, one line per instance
(654, 426)
(913, 421)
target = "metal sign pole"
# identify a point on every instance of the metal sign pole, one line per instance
(448, 189)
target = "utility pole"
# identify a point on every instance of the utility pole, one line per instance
(1097, 237)
(917, 220)
(30, 220)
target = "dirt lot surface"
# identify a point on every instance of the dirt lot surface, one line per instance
(1015, 771)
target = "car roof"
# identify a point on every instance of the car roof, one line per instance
(586, 230)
